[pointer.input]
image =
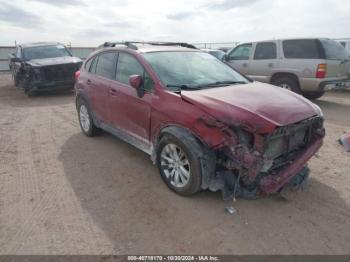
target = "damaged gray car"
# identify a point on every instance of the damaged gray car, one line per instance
(45, 66)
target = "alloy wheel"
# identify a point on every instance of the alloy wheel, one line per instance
(175, 165)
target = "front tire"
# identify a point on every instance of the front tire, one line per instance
(179, 165)
(85, 120)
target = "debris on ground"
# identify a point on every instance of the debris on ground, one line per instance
(344, 140)
(230, 210)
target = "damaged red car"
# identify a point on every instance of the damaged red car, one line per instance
(203, 124)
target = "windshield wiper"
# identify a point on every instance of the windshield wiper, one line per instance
(184, 87)
(225, 83)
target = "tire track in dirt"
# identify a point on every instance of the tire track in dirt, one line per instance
(38, 168)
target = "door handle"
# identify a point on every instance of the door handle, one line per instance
(88, 82)
(113, 91)
(244, 64)
(270, 64)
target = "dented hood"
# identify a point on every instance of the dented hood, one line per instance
(256, 105)
(54, 61)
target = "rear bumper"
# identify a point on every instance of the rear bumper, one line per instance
(334, 85)
(273, 183)
(321, 85)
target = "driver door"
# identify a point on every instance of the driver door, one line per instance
(129, 112)
(239, 58)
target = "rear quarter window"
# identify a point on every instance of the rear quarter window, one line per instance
(302, 49)
(106, 65)
(88, 64)
(334, 50)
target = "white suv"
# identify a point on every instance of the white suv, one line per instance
(306, 66)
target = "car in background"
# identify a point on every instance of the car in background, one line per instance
(216, 53)
(43, 66)
(306, 66)
(346, 45)
(203, 124)
(225, 49)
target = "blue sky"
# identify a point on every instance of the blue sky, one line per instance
(91, 22)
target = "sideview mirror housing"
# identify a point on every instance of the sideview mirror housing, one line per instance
(15, 59)
(135, 81)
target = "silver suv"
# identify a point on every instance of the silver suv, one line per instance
(306, 66)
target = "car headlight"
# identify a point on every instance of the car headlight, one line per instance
(319, 110)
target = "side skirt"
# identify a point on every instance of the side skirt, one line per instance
(132, 139)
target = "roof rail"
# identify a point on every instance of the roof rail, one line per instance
(131, 44)
(113, 44)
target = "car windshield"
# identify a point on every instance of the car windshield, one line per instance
(192, 70)
(334, 50)
(40, 52)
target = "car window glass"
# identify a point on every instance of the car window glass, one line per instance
(106, 65)
(127, 66)
(88, 64)
(190, 68)
(18, 52)
(302, 48)
(241, 52)
(265, 50)
(42, 52)
(334, 50)
(93, 65)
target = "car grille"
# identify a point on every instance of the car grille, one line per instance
(285, 143)
(60, 72)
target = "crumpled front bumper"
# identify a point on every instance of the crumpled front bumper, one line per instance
(274, 182)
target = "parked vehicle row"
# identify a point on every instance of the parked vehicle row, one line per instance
(219, 54)
(43, 66)
(305, 66)
(203, 124)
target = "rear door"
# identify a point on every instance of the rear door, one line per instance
(239, 57)
(337, 59)
(264, 61)
(130, 113)
(99, 81)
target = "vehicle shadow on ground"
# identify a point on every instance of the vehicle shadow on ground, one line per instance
(124, 195)
(14, 96)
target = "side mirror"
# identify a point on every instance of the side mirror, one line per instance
(135, 81)
(15, 60)
(225, 57)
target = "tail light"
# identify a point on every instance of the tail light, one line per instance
(321, 71)
(77, 74)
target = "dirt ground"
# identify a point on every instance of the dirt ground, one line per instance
(64, 193)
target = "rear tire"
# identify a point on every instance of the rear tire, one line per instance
(179, 165)
(313, 95)
(30, 92)
(85, 119)
(15, 80)
(287, 83)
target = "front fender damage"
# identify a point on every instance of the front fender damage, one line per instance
(249, 164)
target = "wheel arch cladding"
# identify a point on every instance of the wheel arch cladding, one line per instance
(206, 157)
(278, 75)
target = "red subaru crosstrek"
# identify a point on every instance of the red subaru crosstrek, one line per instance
(205, 125)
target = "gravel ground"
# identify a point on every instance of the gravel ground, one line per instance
(64, 193)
